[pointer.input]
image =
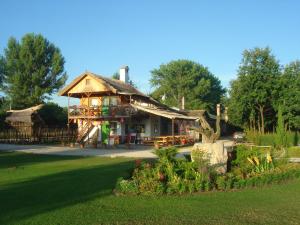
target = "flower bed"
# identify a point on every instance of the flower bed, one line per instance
(170, 175)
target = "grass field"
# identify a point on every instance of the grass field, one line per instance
(39, 189)
(294, 152)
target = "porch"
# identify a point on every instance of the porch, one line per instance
(99, 112)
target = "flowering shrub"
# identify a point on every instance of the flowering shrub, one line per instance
(261, 165)
(170, 175)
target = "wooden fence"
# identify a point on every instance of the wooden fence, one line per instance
(39, 136)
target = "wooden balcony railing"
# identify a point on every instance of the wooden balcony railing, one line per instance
(82, 111)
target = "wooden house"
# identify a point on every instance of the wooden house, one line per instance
(119, 113)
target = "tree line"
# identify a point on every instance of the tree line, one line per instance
(32, 70)
(262, 87)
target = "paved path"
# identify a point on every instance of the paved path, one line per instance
(295, 160)
(134, 152)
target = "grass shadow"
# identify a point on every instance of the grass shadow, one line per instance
(22, 200)
(17, 159)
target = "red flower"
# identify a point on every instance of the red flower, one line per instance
(138, 163)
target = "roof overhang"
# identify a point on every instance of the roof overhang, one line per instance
(164, 112)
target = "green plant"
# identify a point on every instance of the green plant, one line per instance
(261, 164)
(269, 139)
(281, 137)
(201, 160)
(168, 154)
(126, 186)
(221, 183)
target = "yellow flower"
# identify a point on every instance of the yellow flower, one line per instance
(250, 160)
(256, 160)
(269, 158)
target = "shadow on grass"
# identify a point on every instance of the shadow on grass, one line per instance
(43, 194)
(17, 159)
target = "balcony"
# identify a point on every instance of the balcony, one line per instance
(94, 112)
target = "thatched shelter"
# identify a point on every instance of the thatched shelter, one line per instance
(26, 121)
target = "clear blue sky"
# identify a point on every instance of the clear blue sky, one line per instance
(100, 36)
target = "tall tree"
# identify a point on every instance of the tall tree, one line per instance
(254, 91)
(290, 94)
(32, 70)
(188, 79)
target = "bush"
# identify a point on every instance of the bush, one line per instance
(221, 183)
(269, 139)
(126, 186)
(170, 175)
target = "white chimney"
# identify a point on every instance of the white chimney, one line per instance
(124, 74)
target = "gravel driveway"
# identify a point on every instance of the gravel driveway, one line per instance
(136, 151)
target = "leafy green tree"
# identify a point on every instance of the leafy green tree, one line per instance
(254, 92)
(290, 94)
(4, 106)
(188, 79)
(116, 76)
(31, 70)
(54, 115)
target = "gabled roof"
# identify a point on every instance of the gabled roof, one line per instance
(115, 85)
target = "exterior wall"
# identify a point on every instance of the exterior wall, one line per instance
(92, 85)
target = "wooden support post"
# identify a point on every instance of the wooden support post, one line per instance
(173, 138)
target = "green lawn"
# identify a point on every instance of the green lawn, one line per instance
(294, 152)
(38, 189)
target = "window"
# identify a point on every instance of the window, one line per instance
(87, 82)
(110, 101)
(113, 101)
(105, 101)
(94, 102)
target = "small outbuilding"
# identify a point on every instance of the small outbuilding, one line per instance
(26, 121)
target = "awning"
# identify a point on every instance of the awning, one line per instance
(163, 112)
